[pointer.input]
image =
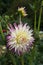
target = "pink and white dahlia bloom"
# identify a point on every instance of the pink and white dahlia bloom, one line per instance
(20, 38)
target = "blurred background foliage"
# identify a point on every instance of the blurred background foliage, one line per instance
(8, 13)
(9, 7)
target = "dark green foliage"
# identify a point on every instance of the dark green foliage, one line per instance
(8, 10)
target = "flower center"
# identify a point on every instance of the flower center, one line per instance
(21, 37)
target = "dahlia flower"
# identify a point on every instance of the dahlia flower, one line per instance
(22, 10)
(20, 38)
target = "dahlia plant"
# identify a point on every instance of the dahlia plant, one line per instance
(20, 37)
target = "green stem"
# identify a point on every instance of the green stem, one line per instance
(22, 60)
(32, 56)
(20, 18)
(31, 63)
(13, 59)
(35, 22)
(39, 21)
(1, 32)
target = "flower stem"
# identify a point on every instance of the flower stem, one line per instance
(1, 32)
(39, 21)
(35, 22)
(13, 59)
(22, 60)
(20, 18)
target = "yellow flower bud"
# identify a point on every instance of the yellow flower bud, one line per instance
(22, 10)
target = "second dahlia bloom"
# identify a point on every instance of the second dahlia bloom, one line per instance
(20, 38)
(22, 10)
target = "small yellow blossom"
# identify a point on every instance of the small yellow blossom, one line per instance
(4, 47)
(22, 10)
